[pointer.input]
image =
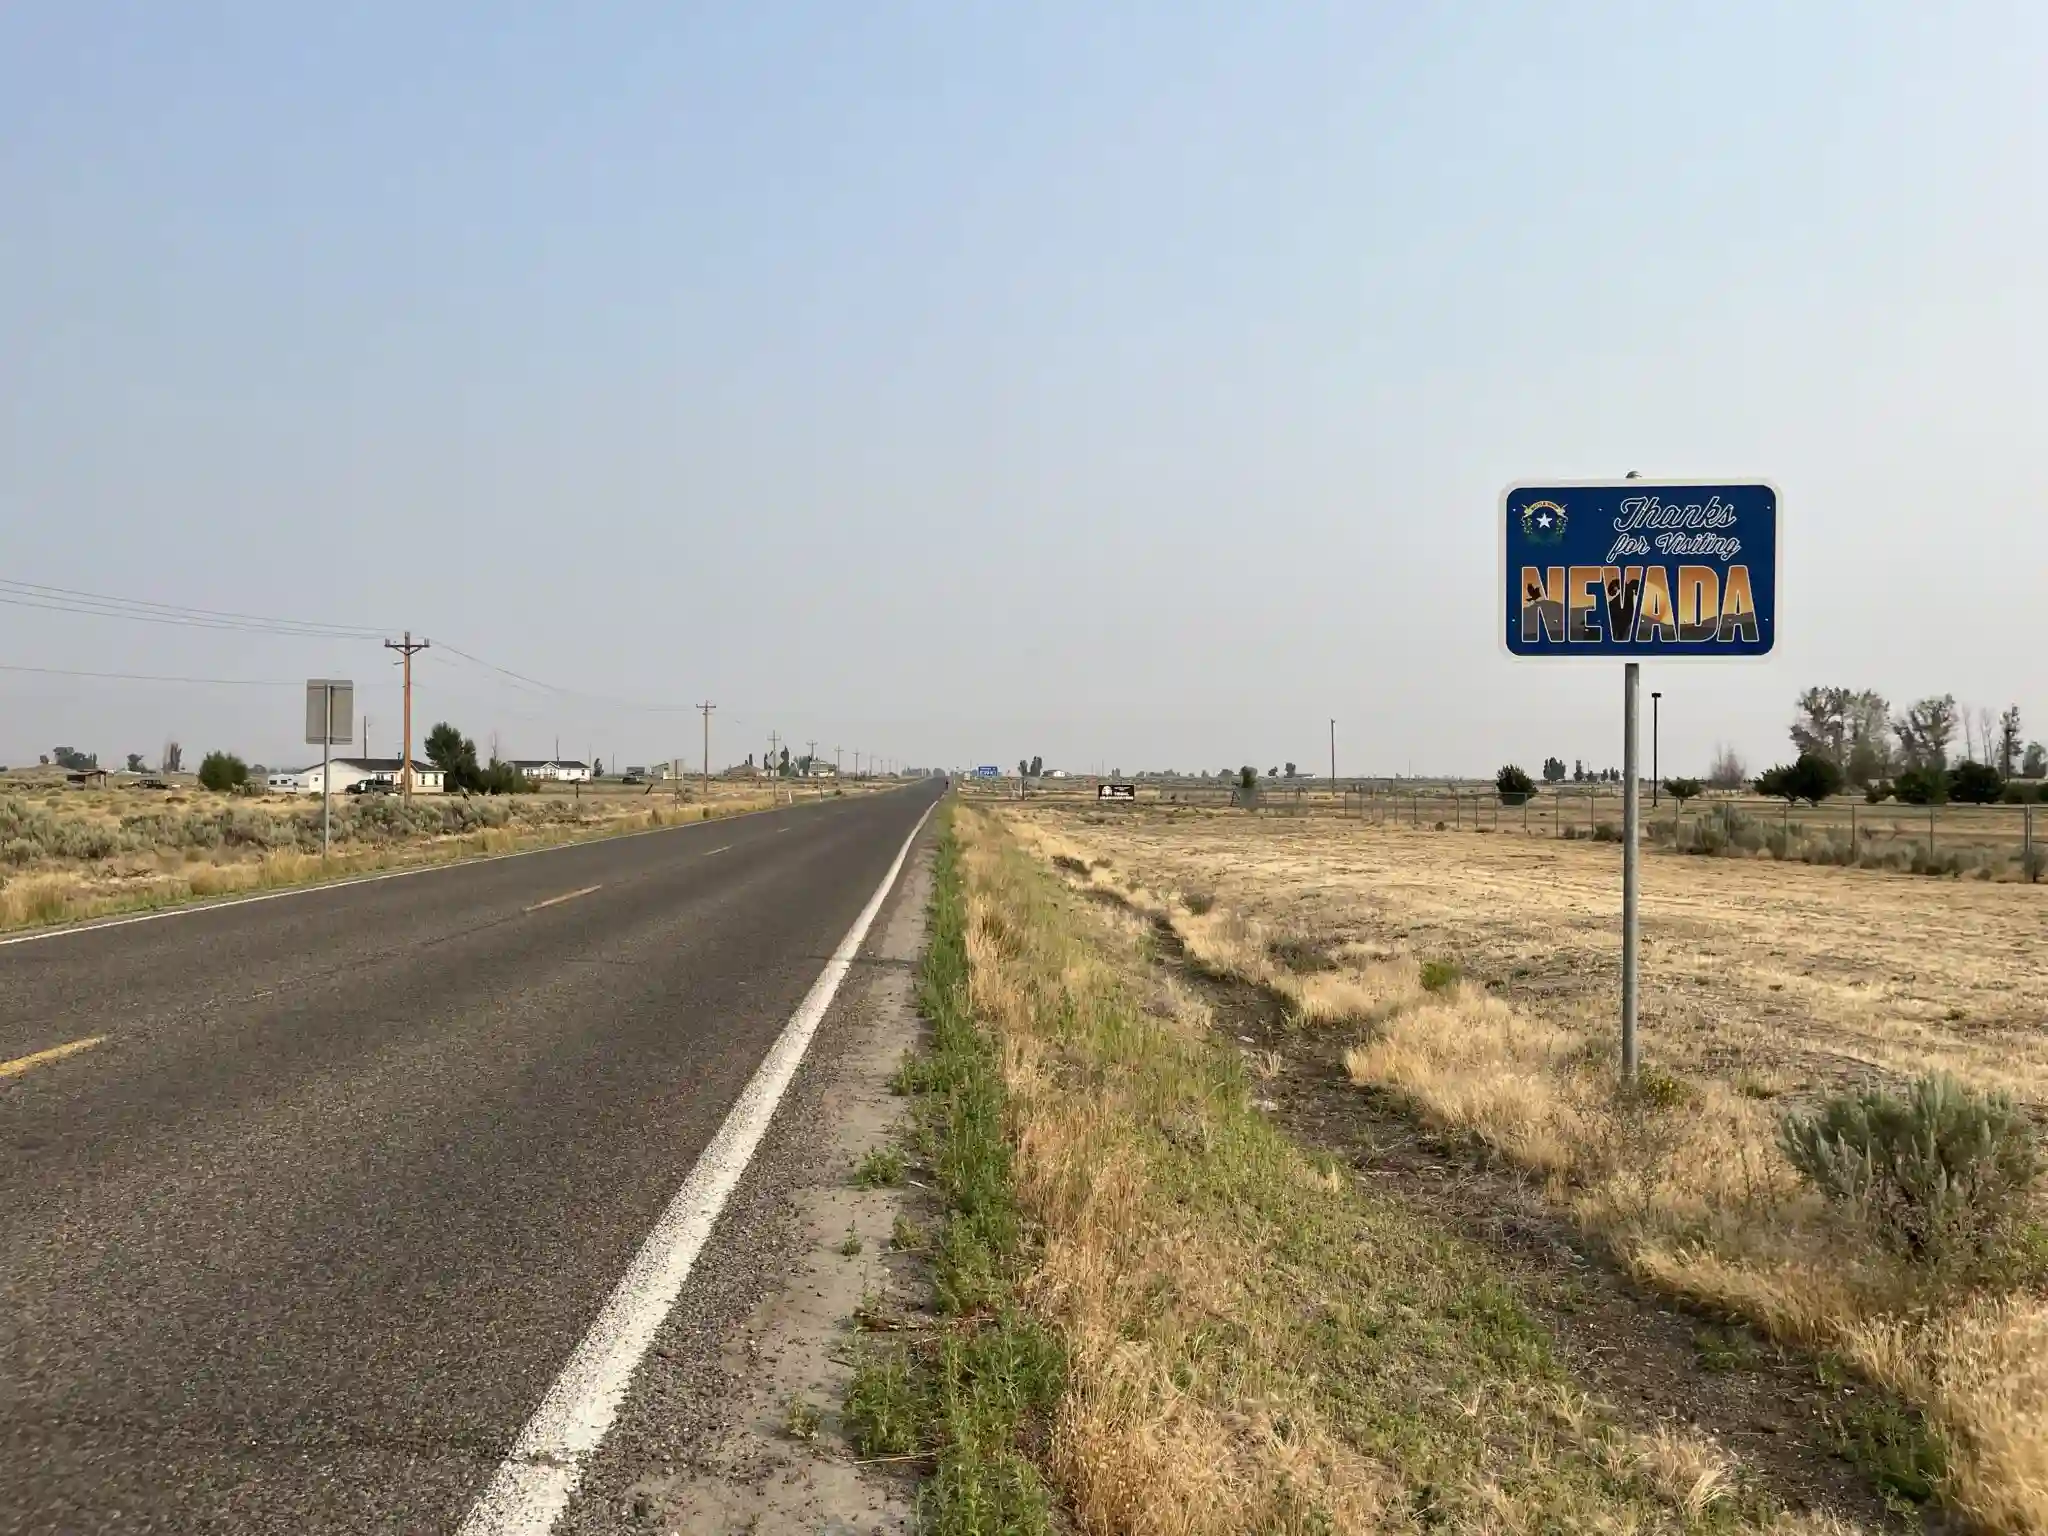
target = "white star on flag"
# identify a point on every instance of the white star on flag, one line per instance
(1543, 520)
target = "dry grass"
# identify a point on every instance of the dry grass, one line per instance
(1762, 981)
(1255, 1342)
(71, 855)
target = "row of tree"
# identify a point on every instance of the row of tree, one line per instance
(1857, 731)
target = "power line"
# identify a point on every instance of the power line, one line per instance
(37, 595)
(157, 677)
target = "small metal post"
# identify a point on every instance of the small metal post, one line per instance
(326, 774)
(2027, 844)
(1930, 831)
(1630, 915)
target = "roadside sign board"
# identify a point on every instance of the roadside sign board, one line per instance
(988, 771)
(1116, 791)
(330, 711)
(1639, 569)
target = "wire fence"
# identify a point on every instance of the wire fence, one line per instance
(1985, 840)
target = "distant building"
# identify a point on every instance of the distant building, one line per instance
(553, 770)
(346, 772)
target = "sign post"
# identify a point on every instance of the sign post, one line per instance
(1628, 569)
(330, 710)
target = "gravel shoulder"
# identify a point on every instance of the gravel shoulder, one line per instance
(732, 1424)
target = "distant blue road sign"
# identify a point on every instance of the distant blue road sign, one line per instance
(1639, 568)
(988, 771)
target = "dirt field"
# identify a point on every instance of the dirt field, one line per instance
(1472, 978)
(1802, 976)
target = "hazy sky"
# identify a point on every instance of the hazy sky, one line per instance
(1129, 385)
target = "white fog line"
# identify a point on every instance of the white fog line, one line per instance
(534, 1483)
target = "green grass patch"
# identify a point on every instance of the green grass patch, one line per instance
(973, 1396)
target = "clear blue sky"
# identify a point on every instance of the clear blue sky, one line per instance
(1123, 384)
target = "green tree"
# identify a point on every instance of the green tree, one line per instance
(135, 762)
(1553, 770)
(1926, 729)
(1971, 783)
(1290, 770)
(1247, 777)
(1920, 786)
(73, 760)
(2009, 742)
(1812, 778)
(455, 755)
(1513, 785)
(2034, 762)
(222, 771)
(1037, 766)
(1682, 790)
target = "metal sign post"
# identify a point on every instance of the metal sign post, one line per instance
(330, 707)
(1632, 569)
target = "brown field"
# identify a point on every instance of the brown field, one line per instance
(1474, 977)
(68, 854)
(1986, 842)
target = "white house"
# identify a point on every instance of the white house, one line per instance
(564, 771)
(345, 772)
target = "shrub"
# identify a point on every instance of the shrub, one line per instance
(1682, 790)
(1944, 1172)
(1514, 785)
(2017, 793)
(1921, 786)
(1974, 783)
(1878, 791)
(1812, 778)
(1439, 975)
(222, 771)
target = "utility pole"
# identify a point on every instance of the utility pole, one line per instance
(810, 760)
(774, 767)
(1333, 759)
(835, 760)
(406, 648)
(705, 709)
(366, 736)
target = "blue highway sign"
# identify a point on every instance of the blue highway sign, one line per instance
(988, 771)
(1639, 568)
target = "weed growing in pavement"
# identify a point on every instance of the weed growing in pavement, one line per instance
(881, 1168)
(802, 1419)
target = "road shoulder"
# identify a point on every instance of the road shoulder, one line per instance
(733, 1421)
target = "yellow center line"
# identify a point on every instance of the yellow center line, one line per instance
(565, 896)
(21, 1064)
(723, 848)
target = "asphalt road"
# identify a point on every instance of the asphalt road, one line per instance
(302, 1243)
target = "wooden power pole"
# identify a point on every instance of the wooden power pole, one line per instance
(406, 648)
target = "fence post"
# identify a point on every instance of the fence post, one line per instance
(1457, 811)
(1930, 831)
(2027, 844)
